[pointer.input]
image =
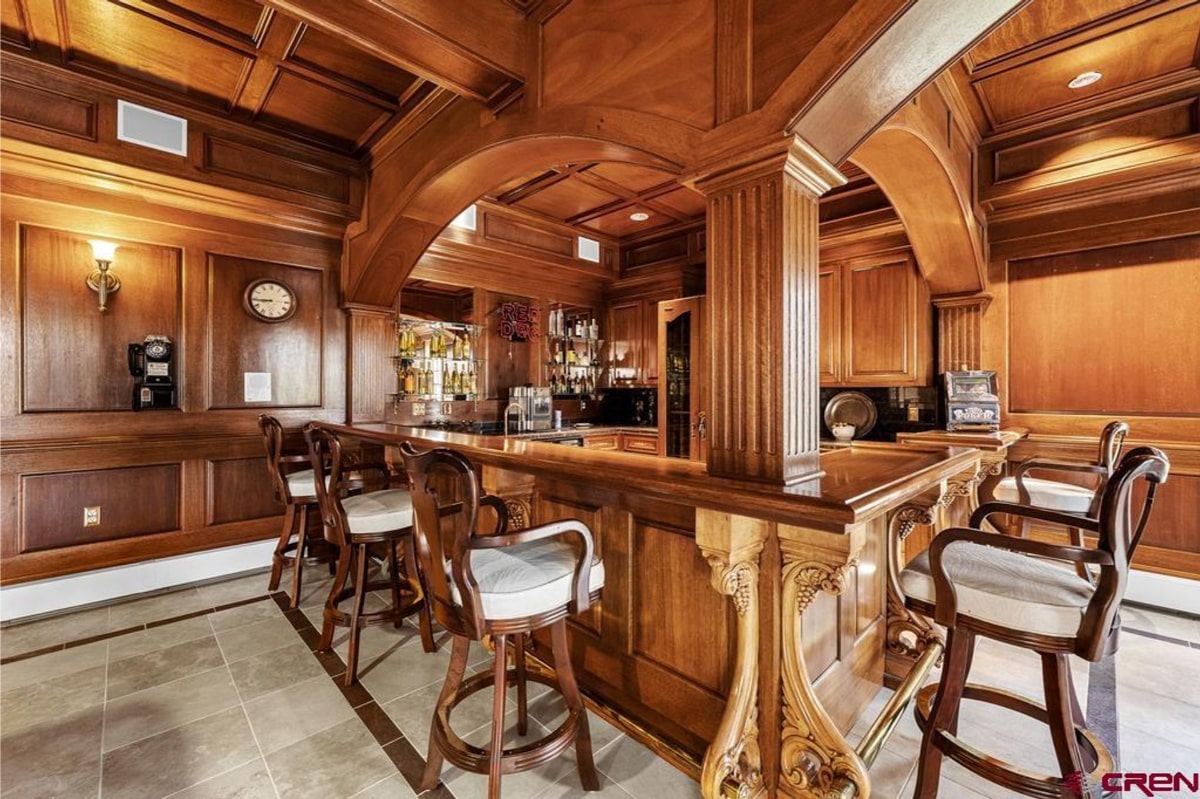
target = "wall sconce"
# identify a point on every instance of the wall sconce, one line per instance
(101, 280)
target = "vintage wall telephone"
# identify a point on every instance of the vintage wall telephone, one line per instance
(150, 364)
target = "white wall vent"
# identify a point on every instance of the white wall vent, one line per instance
(150, 128)
(588, 249)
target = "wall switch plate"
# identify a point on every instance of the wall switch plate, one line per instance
(447, 408)
(91, 516)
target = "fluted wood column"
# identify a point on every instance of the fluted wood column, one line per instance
(762, 305)
(960, 331)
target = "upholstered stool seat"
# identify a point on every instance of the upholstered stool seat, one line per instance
(1005, 588)
(302, 484)
(506, 585)
(527, 579)
(1052, 494)
(354, 523)
(1024, 593)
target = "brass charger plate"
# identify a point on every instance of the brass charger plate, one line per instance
(853, 407)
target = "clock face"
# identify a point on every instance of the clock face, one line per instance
(270, 300)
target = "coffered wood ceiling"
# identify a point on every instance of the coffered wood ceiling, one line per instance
(233, 57)
(269, 66)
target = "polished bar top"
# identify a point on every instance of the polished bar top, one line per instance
(992, 442)
(858, 482)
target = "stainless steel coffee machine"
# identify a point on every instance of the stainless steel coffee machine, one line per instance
(533, 407)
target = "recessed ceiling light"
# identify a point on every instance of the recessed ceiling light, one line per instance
(1084, 79)
(639, 216)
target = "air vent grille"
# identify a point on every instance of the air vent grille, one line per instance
(149, 128)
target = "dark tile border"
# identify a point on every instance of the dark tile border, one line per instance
(137, 628)
(403, 754)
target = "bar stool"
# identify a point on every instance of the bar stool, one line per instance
(381, 517)
(506, 585)
(1066, 497)
(296, 490)
(1009, 589)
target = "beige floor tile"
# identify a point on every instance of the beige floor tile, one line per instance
(282, 718)
(1144, 751)
(465, 785)
(45, 701)
(56, 664)
(254, 639)
(313, 592)
(234, 590)
(278, 669)
(154, 608)
(28, 636)
(131, 644)
(1145, 712)
(250, 781)
(550, 710)
(144, 713)
(162, 666)
(179, 758)
(1136, 618)
(59, 758)
(640, 772)
(394, 787)
(242, 615)
(403, 669)
(339, 761)
(570, 788)
(1158, 667)
(413, 713)
(889, 773)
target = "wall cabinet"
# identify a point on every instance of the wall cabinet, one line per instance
(876, 324)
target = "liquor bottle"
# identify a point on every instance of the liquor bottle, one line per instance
(466, 347)
(593, 330)
(571, 356)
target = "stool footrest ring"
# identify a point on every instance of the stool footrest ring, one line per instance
(519, 758)
(1001, 772)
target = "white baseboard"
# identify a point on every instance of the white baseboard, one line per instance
(105, 585)
(1164, 591)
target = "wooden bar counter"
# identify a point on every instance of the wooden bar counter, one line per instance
(742, 626)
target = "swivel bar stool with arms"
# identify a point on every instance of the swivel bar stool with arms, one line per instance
(295, 489)
(506, 585)
(380, 518)
(1024, 489)
(1020, 592)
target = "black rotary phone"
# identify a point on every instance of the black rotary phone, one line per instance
(150, 365)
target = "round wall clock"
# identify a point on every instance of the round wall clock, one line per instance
(270, 300)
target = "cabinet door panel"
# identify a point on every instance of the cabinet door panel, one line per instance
(881, 315)
(830, 311)
(625, 335)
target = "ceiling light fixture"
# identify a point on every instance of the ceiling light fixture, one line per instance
(639, 216)
(1084, 79)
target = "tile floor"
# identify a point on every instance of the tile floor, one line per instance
(214, 691)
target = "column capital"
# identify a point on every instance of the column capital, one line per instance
(975, 301)
(792, 155)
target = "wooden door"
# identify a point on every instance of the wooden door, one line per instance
(625, 341)
(880, 327)
(683, 383)
(830, 312)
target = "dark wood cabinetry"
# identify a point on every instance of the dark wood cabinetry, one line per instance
(876, 324)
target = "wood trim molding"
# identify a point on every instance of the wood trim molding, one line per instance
(960, 331)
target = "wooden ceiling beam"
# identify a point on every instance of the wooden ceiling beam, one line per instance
(430, 48)
(279, 38)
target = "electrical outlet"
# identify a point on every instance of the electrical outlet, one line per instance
(447, 408)
(91, 516)
(418, 409)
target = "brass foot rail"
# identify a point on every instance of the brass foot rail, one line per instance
(885, 723)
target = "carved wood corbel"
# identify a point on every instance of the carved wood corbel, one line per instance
(813, 753)
(732, 546)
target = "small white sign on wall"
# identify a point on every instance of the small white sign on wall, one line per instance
(257, 386)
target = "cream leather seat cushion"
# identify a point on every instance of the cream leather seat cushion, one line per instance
(302, 484)
(379, 511)
(1046, 494)
(1006, 588)
(526, 579)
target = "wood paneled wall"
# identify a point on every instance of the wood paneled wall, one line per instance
(167, 481)
(1110, 331)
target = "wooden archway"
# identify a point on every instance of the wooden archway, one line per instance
(412, 200)
(935, 210)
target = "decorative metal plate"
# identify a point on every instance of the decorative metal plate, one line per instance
(852, 407)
